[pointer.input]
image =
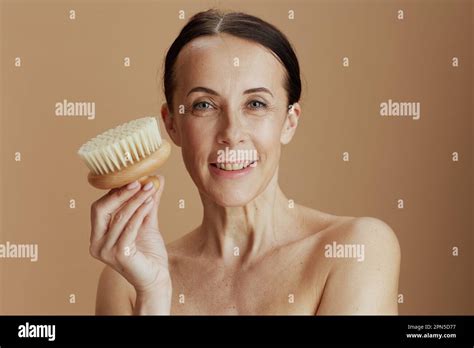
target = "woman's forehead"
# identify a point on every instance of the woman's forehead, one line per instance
(225, 60)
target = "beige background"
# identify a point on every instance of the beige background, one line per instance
(390, 158)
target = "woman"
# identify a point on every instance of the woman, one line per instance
(232, 84)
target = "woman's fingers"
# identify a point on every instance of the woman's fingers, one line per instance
(125, 213)
(118, 216)
(130, 232)
(152, 217)
(103, 208)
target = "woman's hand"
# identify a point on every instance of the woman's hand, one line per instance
(125, 236)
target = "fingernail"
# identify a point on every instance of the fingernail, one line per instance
(133, 185)
(148, 186)
(148, 200)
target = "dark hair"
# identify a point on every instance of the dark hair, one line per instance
(242, 25)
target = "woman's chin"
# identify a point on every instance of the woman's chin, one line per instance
(230, 199)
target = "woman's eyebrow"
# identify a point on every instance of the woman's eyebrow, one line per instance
(258, 89)
(202, 89)
(210, 91)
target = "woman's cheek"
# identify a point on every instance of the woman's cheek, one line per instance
(267, 140)
(197, 146)
(192, 137)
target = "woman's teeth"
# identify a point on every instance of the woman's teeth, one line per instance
(233, 166)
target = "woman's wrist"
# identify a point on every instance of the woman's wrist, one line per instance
(154, 300)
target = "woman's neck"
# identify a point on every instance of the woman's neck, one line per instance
(240, 235)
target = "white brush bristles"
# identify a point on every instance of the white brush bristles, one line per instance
(121, 146)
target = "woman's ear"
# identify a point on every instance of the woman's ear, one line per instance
(170, 123)
(290, 124)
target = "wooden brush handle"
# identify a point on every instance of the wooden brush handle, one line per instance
(138, 171)
(146, 179)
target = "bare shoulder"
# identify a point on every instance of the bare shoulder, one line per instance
(372, 232)
(348, 228)
(375, 241)
(365, 262)
(361, 256)
(114, 294)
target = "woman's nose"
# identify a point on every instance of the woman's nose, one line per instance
(231, 129)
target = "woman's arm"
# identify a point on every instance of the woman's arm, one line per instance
(116, 296)
(125, 236)
(369, 286)
(113, 294)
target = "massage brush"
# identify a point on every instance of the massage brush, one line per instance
(131, 151)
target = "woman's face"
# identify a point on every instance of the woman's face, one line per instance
(230, 116)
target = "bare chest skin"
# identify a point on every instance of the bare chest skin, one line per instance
(289, 279)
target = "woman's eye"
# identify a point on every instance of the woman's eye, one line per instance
(255, 104)
(201, 105)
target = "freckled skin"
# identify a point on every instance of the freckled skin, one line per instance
(281, 249)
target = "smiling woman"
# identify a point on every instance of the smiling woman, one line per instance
(232, 83)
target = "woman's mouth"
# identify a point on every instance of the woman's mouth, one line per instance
(234, 166)
(232, 170)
